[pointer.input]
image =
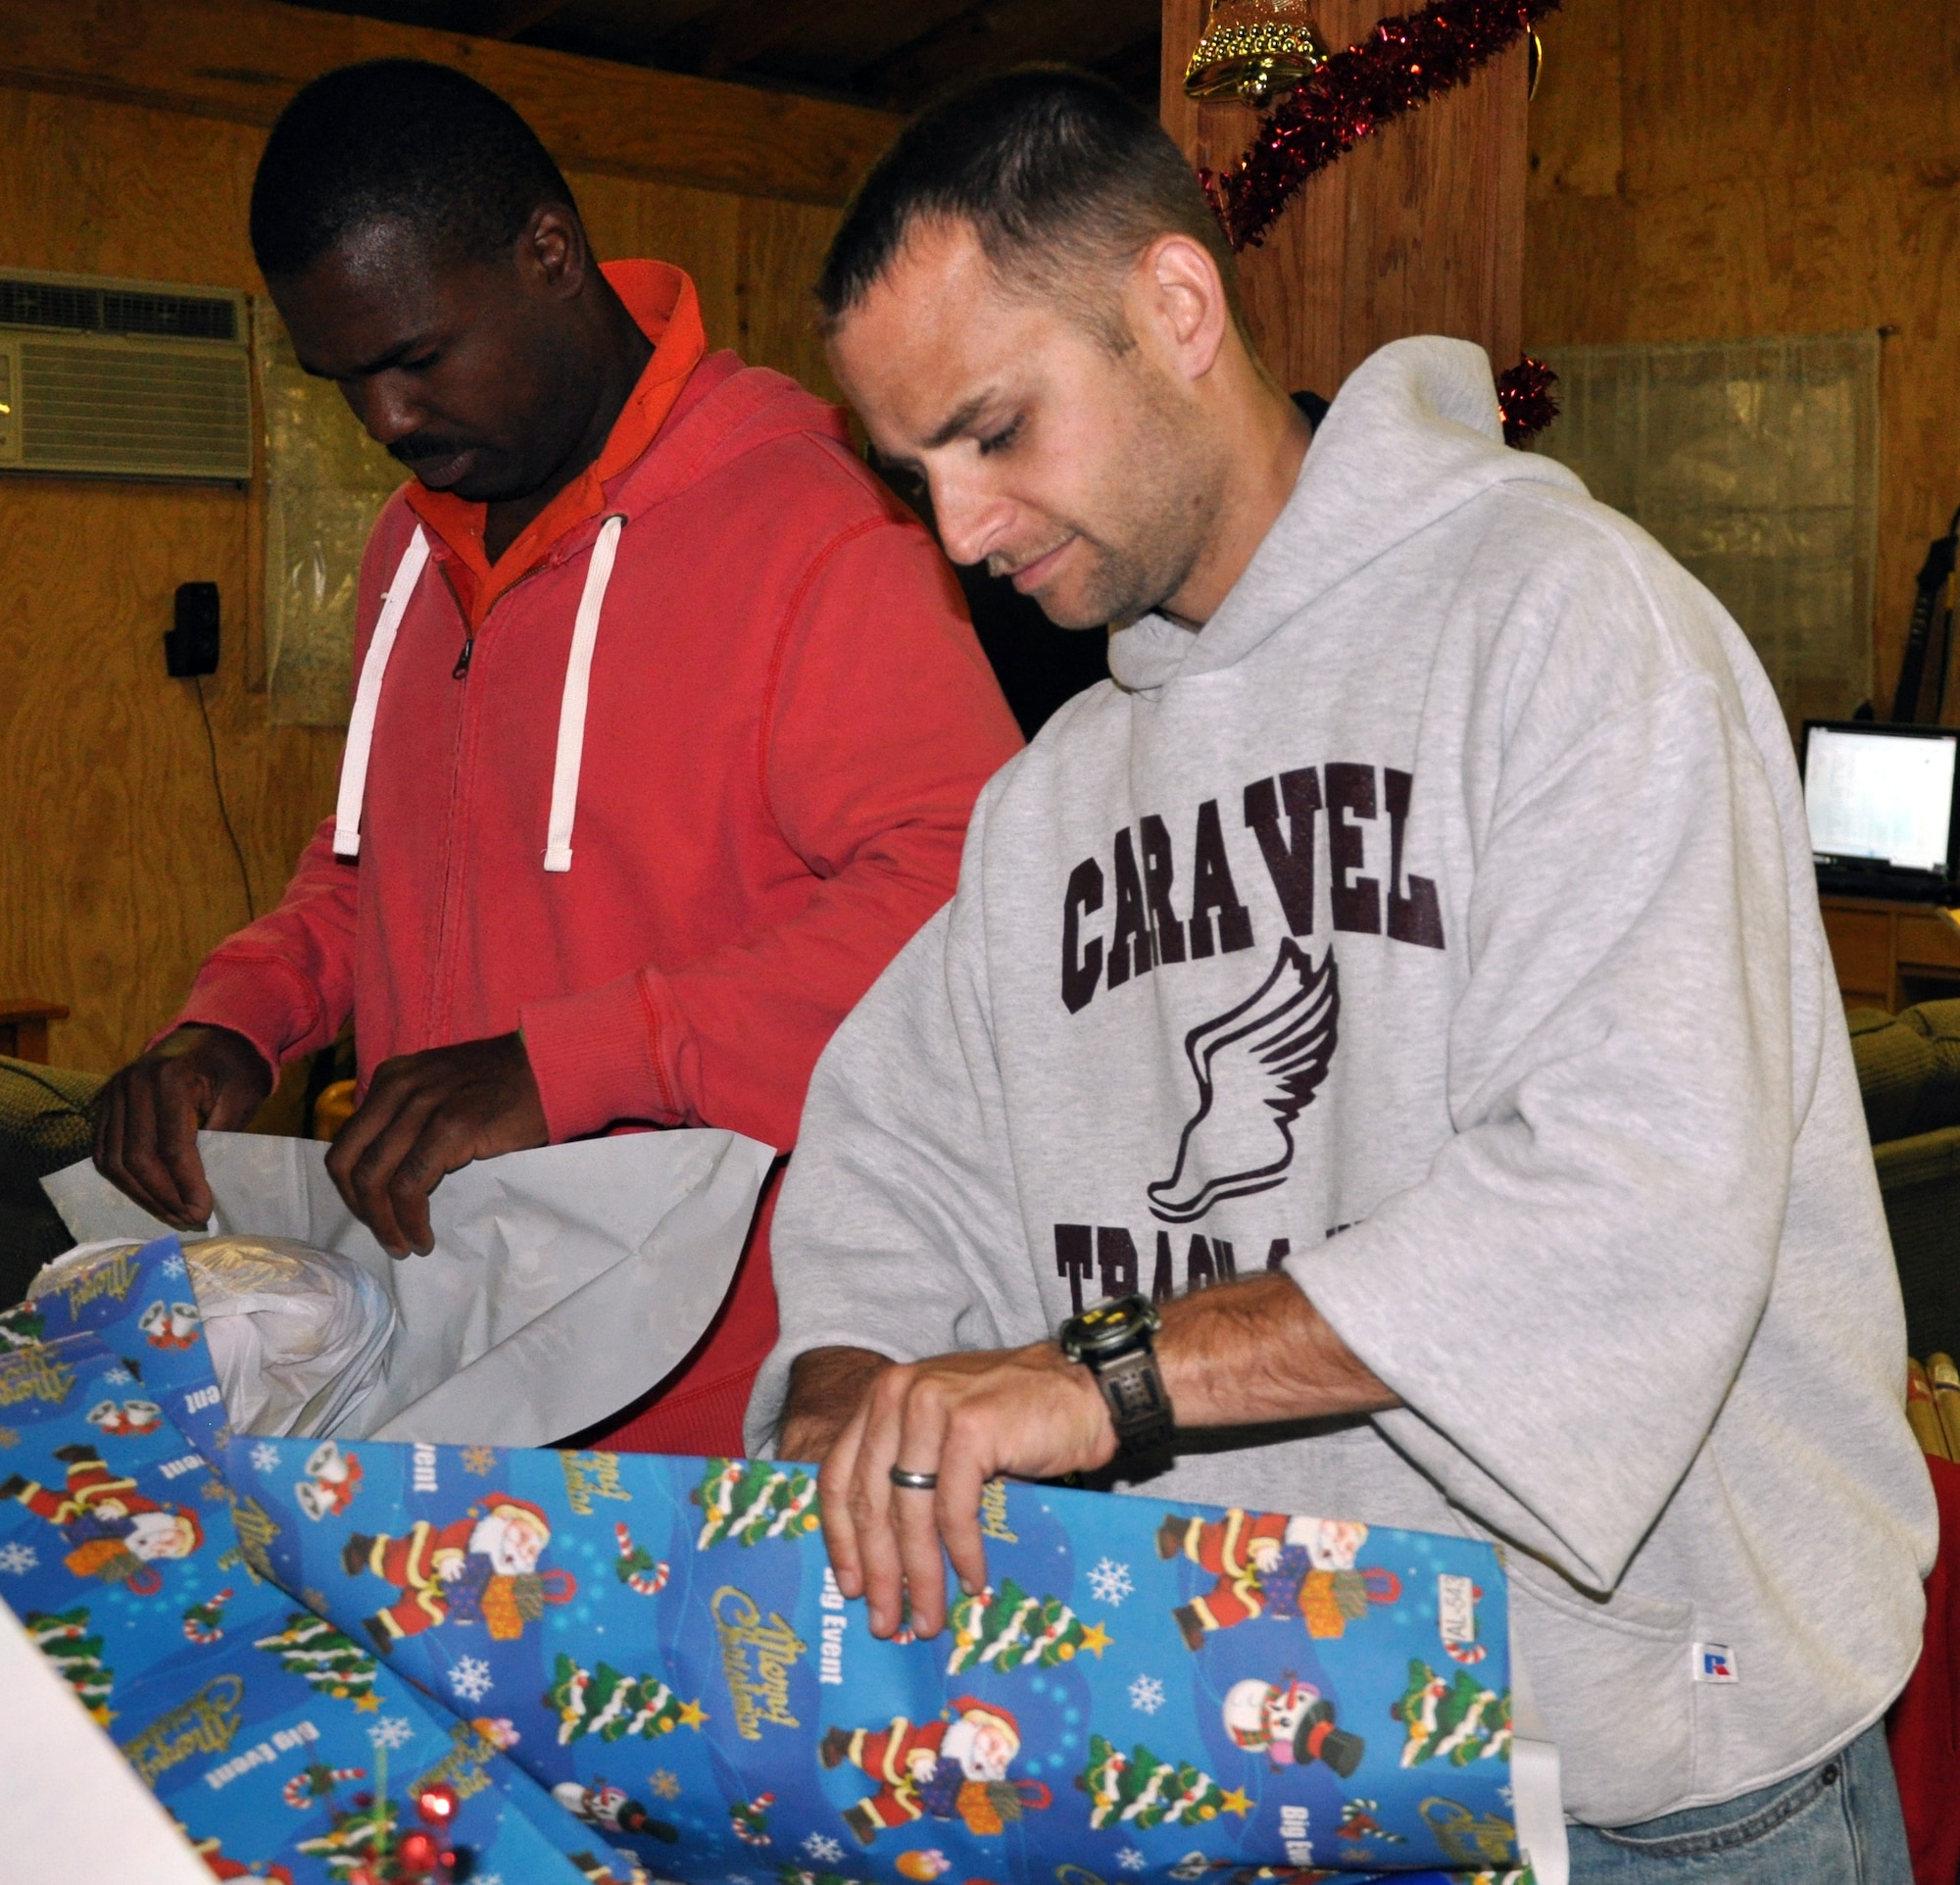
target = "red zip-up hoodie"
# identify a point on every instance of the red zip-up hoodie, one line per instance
(785, 724)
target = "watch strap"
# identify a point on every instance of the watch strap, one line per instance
(1133, 1389)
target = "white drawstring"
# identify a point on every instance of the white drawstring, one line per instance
(571, 706)
(367, 698)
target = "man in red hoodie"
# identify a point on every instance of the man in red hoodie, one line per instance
(667, 724)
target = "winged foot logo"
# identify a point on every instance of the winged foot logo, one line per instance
(1257, 1067)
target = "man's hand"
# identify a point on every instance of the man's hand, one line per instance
(968, 1418)
(148, 1116)
(425, 1116)
(827, 1386)
(1242, 1354)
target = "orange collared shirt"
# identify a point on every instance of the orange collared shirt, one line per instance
(663, 300)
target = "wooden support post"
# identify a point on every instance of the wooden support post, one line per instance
(1418, 230)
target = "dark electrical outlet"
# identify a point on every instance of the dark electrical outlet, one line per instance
(191, 648)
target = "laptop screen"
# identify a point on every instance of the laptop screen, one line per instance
(1880, 794)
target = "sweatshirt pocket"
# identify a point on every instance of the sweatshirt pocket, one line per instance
(1611, 1679)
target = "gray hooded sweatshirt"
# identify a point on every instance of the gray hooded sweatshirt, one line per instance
(1438, 925)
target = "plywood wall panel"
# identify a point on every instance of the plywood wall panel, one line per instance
(1419, 230)
(1708, 172)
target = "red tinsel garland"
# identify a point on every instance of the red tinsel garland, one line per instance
(1403, 64)
(1525, 400)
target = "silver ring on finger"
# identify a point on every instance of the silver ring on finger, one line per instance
(913, 1481)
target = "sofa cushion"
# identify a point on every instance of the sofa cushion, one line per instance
(1939, 1098)
(1908, 1067)
(1894, 1063)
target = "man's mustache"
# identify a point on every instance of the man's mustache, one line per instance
(420, 446)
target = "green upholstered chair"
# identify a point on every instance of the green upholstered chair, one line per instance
(1909, 1073)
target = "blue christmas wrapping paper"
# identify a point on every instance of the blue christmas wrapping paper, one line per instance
(1146, 1691)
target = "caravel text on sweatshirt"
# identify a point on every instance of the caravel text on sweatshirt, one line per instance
(1438, 923)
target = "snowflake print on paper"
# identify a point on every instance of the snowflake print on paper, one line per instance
(117, 1377)
(823, 1849)
(9, 1437)
(1148, 1694)
(664, 1782)
(17, 1558)
(1110, 1582)
(265, 1457)
(171, 1266)
(481, 1461)
(392, 1731)
(1131, 1859)
(471, 1679)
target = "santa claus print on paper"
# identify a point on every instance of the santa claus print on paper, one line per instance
(113, 1531)
(481, 1568)
(1266, 1563)
(952, 1768)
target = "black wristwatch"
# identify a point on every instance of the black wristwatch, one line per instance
(1114, 1342)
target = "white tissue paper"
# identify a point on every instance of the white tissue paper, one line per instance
(564, 1281)
(297, 1336)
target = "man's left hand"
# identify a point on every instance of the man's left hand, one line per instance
(967, 1418)
(425, 1116)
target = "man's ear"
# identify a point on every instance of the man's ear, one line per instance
(553, 251)
(1183, 301)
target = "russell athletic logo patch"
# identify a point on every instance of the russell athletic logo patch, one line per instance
(1715, 1663)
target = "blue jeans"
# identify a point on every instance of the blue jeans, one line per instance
(1839, 1825)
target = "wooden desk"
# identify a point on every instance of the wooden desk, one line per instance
(24, 1028)
(1891, 955)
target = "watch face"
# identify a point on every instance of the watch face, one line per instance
(1116, 1324)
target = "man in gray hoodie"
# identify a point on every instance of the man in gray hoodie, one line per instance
(1405, 975)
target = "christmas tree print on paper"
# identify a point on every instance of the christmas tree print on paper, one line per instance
(64, 1638)
(612, 1706)
(1139, 1790)
(332, 1662)
(20, 1327)
(1460, 1720)
(358, 1840)
(753, 1499)
(204, 1623)
(1004, 1629)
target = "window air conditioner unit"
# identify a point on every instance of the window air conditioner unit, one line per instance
(124, 378)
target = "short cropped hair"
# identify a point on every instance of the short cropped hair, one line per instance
(1064, 181)
(398, 138)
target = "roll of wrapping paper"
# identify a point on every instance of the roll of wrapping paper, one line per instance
(1922, 1415)
(1945, 1380)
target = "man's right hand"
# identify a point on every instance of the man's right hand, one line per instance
(147, 1118)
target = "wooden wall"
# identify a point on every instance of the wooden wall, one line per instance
(130, 135)
(1715, 169)
(1419, 230)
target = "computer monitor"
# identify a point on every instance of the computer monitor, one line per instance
(1881, 804)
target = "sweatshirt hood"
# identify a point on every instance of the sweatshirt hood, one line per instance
(1414, 435)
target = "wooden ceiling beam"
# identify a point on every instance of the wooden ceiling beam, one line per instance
(242, 59)
(741, 30)
(1000, 33)
(506, 19)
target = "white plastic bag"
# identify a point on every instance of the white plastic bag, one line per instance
(564, 1282)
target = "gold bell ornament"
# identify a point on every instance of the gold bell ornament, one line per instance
(1253, 49)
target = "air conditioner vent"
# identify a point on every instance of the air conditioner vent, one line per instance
(136, 410)
(111, 379)
(27, 303)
